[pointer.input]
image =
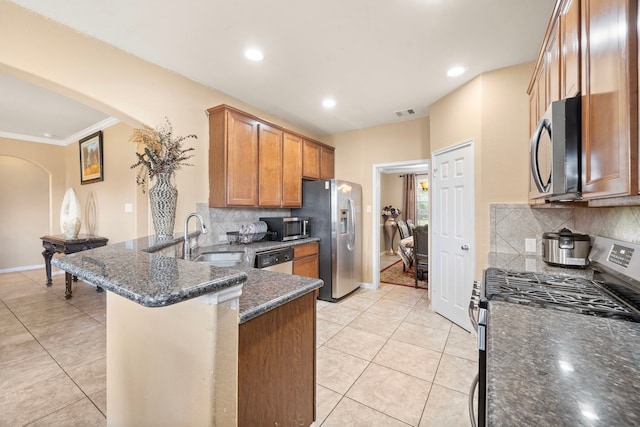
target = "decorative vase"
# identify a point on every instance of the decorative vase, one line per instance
(163, 197)
(390, 228)
(70, 215)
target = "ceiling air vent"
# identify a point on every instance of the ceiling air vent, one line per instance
(405, 113)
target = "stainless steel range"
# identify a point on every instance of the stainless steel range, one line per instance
(576, 294)
(612, 291)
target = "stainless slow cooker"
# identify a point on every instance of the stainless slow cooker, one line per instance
(566, 249)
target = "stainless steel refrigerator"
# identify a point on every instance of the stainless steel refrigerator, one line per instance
(334, 208)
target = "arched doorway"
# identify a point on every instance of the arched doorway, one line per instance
(24, 213)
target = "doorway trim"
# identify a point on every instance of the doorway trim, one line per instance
(377, 170)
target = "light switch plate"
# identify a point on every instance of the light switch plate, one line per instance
(128, 207)
(530, 245)
(368, 208)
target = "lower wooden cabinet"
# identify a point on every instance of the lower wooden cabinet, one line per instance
(276, 366)
(305, 260)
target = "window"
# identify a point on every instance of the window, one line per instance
(422, 199)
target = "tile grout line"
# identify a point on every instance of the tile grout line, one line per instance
(53, 358)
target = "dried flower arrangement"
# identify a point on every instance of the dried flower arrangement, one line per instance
(390, 211)
(161, 152)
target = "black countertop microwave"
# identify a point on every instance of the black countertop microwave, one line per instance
(555, 152)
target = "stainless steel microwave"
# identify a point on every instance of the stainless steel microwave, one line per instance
(555, 150)
(288, 228)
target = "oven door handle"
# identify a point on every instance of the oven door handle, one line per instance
(473, 304)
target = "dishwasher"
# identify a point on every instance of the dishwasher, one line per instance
(280, 260)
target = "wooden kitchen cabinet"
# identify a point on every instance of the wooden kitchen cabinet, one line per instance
(270, 166)
(233, 158)
(597, 42)
(570, 49)
(609, 98)
(255, 163)
(305, 260)
(310, 160)
(327, 162)
(552, 65)
(276, 366)
(317, 161)
(291, 171)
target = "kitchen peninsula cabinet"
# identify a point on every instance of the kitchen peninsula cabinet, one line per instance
(276, 366)
(255, 163)
(305, 260)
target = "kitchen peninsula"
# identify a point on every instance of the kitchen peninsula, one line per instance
(189, 344)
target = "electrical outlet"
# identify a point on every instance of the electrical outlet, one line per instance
(128, 207)
(530, 245)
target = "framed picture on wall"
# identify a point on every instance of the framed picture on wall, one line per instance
(91, 167)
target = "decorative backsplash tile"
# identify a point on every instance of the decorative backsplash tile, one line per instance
(511, 224)
(619, 223)
(221, 220)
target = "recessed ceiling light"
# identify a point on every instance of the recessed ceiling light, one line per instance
(456, 71)
(254, 55)
(329, 103)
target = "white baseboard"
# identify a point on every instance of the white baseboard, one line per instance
(54, 270)
(367, 285)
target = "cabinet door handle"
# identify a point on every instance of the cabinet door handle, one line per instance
(464, 247)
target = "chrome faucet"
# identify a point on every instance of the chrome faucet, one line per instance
(186, 248)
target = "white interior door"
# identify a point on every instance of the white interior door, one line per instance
(452, 258)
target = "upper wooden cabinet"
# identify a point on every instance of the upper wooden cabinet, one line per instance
(552, 64)
(609, 98)
(291, 170)
(596, 43)
(327, 162)
(233, 159)
(310, 160)
(269, 166)
(254, 163)
(317, 161)
(570, 49)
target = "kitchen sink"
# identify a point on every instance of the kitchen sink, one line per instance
(221, 259)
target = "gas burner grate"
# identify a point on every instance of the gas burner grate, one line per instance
(568, 293)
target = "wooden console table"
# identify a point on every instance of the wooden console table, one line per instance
(62, 245)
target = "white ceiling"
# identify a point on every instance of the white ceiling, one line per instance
(374, 57)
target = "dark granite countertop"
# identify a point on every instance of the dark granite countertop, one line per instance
(547, 367)
(149, 271)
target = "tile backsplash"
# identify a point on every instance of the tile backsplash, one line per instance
(221, 220)
(619, 223)
(511, 224)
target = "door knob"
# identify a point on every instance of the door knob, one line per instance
(464, 247)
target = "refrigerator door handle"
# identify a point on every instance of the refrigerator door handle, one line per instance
(351, 226)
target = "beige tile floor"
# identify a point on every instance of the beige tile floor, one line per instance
(384, 358)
